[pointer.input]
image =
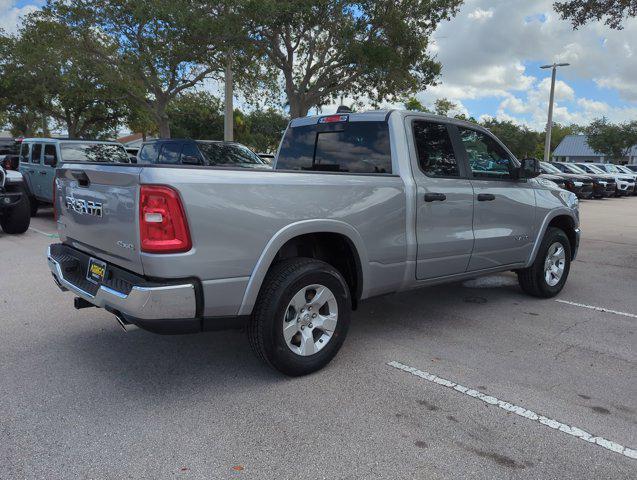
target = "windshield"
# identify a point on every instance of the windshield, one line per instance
(550, 168)
(574, 169)
(93, 152)
(593, 168)
(229, 155)
(611, 168)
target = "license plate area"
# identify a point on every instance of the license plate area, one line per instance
(96, 271)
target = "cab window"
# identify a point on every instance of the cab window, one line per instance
(435, 150)
(487, 159)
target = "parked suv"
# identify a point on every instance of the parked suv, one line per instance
(628, 171)
(358, 205)
(603, 185)
(580, 185)
(625, 185)
(41, 157)
(208, 153)
(14, 203)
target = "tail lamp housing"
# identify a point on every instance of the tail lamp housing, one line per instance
(163, 226)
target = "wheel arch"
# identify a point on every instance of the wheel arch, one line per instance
(309, 232)
(564, 219)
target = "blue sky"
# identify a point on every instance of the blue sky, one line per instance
(491, 53)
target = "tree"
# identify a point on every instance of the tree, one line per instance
(153, 50)
(413, 104)
(581, 12)
(61, 80)
(326, 48)
(443, 106)
(520, 140)
(612, 140)
(264, 129)
(197, 115)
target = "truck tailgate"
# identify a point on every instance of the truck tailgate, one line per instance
(97, 208)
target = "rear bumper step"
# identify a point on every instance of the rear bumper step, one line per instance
(137, 298)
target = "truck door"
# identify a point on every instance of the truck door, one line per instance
(504, 212)
(25, 167)
(444, 203)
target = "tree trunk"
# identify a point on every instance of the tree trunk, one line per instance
(161, 117)
(298, 107)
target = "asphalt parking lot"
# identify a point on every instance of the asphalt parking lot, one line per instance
(80, 398)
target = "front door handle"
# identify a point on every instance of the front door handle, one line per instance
(485, 197)
(42, 173)
(435, 197)
(31, 171)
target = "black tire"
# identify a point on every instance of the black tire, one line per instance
(265, 329)
(532, 279)
(33, 206)
(16, 219)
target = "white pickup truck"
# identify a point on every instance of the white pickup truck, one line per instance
(357, 205)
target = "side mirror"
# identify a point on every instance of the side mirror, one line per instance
(49, 160)
(190, 160)
(529, 168)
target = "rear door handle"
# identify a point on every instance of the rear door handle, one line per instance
(485, 197)
(42, 173)
(435, 197)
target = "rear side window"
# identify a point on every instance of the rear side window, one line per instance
(36, 152)
(50, 150)
(435, 150)
(25, 152)
(170, 153)
(190, 150)
(357, 147)
(149, 153)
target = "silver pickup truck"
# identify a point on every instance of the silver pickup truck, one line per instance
(357, 205)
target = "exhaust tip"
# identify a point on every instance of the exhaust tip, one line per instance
(127, 326)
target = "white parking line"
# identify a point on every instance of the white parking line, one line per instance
(521, 411)
(599, 309)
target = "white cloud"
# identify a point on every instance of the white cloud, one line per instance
(10, 14)
(481, 15)
(486, 49)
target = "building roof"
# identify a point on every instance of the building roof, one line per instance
(577, 146)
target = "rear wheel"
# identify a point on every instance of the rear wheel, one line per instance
(301, 317)
(16, 219)
(549, 272)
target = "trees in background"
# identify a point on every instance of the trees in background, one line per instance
(612, 140)
(581, 12)
(323, 49)
(152, 50)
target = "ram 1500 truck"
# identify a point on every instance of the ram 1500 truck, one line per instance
(357, 205)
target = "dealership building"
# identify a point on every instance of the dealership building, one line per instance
(575, 148)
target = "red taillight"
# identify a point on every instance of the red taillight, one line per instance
(163, 226)
(334, 119)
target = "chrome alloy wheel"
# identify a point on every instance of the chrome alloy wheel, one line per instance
(554, 264)
(310, 320)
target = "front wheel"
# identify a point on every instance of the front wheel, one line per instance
(547, 276)
(301, 317)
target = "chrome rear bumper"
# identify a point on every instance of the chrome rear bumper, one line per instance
(142, 302)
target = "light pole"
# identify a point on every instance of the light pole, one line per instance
(229, 109)
(549, 125)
